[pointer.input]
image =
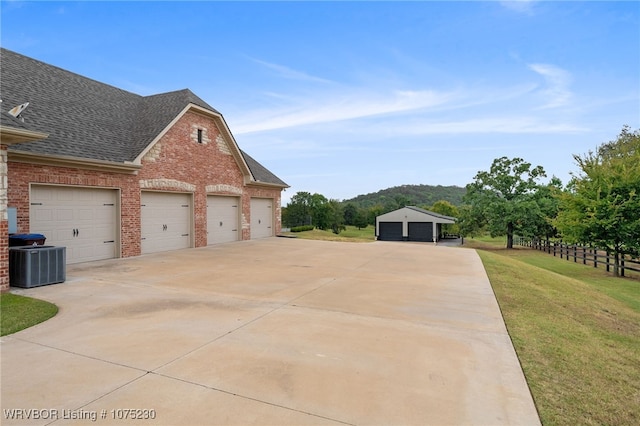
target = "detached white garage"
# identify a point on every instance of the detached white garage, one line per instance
(411, 224)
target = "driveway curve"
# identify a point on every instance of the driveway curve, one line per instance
(274, 331)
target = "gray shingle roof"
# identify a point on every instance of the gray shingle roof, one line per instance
(260, 173)
(441, 216)
(87, 119)
(9, 120)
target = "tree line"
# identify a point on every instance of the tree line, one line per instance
(306, 209)
(599, 206)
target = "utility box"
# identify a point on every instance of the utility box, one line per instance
(36, 266)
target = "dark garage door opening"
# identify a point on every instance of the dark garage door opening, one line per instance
(390, 231)
(421, 231)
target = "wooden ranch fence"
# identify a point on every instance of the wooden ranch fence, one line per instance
(585, 255)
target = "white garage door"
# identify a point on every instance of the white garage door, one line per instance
(261, 218)
(222, 219)
(166, 221)
(84, 220)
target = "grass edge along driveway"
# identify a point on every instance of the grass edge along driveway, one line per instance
(576, 331)
(20, 312)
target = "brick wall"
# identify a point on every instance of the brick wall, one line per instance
(4, 223)
(177, 163)
(208, 166)
(21, 175)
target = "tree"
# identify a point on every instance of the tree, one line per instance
(298, 210)
(470, 222)
(503, 197)
(602, 205)
(336, 216)
(307, 209)
(444, 207)
(320, 211)
(362, 219)
(374, 212)
(350, 213)
(547, 199)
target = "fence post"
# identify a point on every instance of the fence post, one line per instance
(622, 266)
(575, 253)
(595, 257)
(608, 264)
(584, 255)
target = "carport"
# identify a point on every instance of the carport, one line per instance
(411, 223)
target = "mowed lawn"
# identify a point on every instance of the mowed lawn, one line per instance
(576, 330)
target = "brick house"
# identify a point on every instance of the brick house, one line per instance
(108, 173)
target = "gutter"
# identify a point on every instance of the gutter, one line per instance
(75, 162)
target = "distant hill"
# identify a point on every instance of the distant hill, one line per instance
(416, 195)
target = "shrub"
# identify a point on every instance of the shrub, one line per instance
(302, 228)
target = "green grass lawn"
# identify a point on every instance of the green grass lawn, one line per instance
(576, 330)
(20, 312)
(352, 234)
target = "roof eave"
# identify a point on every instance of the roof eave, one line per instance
(75, 162)
(267, 184)
(14, 135)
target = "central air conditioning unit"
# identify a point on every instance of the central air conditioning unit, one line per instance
(36, 266)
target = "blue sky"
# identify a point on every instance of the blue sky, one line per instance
(347, 98)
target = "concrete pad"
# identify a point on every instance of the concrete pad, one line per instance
(139, 327)
(357, 369)
(38, 377)
(181, 403)
(274, 331)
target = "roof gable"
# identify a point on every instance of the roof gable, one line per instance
(412, 213)
(89, 120)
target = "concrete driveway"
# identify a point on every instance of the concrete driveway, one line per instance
(275, 331)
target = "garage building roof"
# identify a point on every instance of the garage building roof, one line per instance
(87, 119)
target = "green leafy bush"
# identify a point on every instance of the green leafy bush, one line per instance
(302, 228)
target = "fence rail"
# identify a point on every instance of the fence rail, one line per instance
(585, 255)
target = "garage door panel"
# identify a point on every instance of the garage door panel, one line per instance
(67, 196)
(223, 219)
(86, 214)
(421, 231)
(166, 221)
(84, 220)
(390, 231)
(43, 215)
(63, 214)
(261, 218)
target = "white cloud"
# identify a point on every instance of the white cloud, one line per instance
(558, 80)
(503, 124)
(520, 6)
(341, 106)
(289, 73)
